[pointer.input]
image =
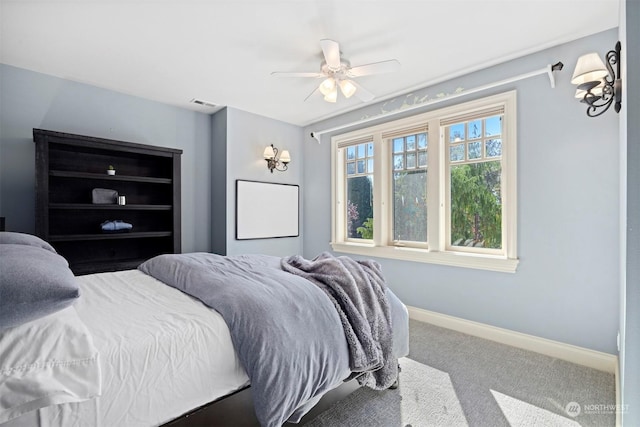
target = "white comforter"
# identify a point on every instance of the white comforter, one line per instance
(162, 354)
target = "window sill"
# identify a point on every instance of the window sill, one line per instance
(455, 259)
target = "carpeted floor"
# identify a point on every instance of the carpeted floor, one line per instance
(454, 379)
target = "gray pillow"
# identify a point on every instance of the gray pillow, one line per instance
(34, 282)
(13, 238)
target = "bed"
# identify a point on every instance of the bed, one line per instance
(129, 349)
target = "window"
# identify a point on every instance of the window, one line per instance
(359, 171)
(438, 187)
(474, 170)
(409, 187)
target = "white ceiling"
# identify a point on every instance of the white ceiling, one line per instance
(223, 51)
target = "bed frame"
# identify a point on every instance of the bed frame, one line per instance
(236, 409)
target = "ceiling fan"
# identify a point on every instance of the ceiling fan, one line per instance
(338, 72)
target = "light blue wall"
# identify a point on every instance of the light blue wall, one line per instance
(218, 183)
(566, 286)
(246, 137)
(630, 322)
(32, 100)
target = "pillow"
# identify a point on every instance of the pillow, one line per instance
(45, 362)
(24, 239)
(34, 282)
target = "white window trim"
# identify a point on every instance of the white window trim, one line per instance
(437, 252)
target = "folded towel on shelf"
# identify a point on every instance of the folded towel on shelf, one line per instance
(113, 226)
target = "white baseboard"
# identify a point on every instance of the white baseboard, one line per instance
(571, 353)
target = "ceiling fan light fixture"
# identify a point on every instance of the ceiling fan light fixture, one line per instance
(337, 71)
(327, 86)
(348, 88)
(332, 96)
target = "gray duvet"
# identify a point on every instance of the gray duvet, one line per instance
(286, 332)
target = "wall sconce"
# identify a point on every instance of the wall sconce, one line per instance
(599, 87)
(271, 156)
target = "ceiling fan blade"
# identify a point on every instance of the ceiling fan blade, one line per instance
(361, 93)
(331, 50)
(286, 74)
(375, 68)
(312, 93)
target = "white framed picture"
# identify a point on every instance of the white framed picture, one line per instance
(266, 210)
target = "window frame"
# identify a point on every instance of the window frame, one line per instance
(438, 249)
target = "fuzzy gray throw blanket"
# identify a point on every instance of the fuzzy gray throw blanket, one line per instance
(357, 290)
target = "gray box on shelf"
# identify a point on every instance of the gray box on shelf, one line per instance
(104, 196)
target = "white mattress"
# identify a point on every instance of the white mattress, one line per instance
(162, 352)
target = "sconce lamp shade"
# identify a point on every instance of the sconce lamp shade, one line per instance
(285, 157)
(348, 88)
(588, 69)
(269, 153)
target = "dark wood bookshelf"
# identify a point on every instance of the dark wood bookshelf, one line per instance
(69, 167)
(81, 268)
(102, 176)
(82, 206)
(108, 236)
